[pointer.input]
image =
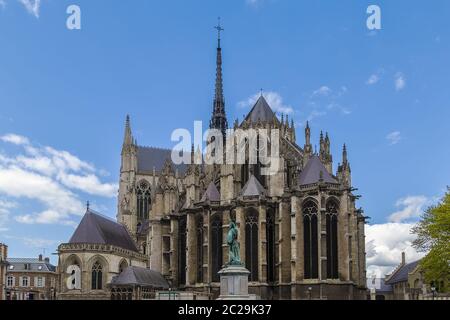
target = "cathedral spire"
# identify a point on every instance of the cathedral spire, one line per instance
(128, 137)
(218, 119)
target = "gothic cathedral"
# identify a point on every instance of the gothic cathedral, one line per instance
(300, 233)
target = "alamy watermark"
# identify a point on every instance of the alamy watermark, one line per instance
(240, 146)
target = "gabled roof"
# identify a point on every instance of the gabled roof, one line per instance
(312, 172)
(97, 229)
(252, 188)
(33, 265)
(261, 111)
(150, 157)
(401, 274)
(211, 193)
(138, 276)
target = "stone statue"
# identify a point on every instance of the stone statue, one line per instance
(234, 255)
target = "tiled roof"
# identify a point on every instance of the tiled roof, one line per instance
(401, 274)
(33, 264)
(97, 229)
(261, 111)
(149, 158)
(253, 188)
(313, 171)
(211, 193)
(140, 277)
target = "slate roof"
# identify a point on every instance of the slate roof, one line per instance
(211, 193)
(34, 265)
(311, 172)
(261, 111)
(253, 188)
(379, 285)
(138, 276)
(150, 157)
(97, 229)
(401, 274)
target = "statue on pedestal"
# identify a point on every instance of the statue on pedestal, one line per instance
(233, 244)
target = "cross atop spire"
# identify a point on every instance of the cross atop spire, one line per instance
(219, 119)
(219, 30)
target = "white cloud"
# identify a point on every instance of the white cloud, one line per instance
(394, 137)
(15, 139)
(52, 178)
(5, 208)
(410, 207)
(400, 81)
(322, 91)
(373, 79)
(88, 183)
(274, 100)
(32, 6)
(2, 4)
(385, 244)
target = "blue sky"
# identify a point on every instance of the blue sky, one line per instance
(64, 95)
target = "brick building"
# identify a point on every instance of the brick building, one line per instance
(30, 279)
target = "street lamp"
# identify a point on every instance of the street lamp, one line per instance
(310, 293)
(433, 291)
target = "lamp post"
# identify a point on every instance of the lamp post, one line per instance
(433, 291)
(310, 293)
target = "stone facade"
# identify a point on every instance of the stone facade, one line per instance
(301, 235)
(3, 267)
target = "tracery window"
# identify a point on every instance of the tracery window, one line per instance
(199, 248)
(182, 250)
(143, 200)
(251, 243)
(216, 242)
(310, 232)
(332, 239)
(270, 236)
(97, 276)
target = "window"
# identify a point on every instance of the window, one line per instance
(123, 265)
(332, 238)
(10, 281)
(25, 281)
(270, 236)
(40, 282)
(182, 250)
(199, 249)
(143, 200)
(311, 259)
(216, 242)
(251, 243)
(97, 280)
(11, 267)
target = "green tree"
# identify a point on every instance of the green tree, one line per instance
(433, 236)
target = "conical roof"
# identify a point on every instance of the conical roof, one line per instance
(261, 111)
(314, 171)
(211, 193)
(253, 188)
(96, 229)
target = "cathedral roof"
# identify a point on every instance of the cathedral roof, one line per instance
(96, 229)
(261, 111)
(150, 157)
(253, 188)
(140, 277)
(314, 171)
(211, 193)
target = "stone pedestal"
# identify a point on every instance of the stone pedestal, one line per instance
(234, 283)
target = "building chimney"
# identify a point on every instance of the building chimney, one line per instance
(403, 258)
(40, 257)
